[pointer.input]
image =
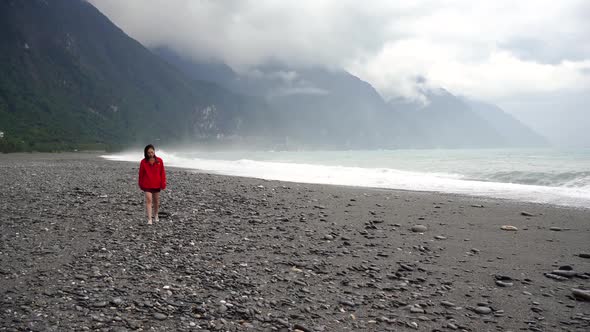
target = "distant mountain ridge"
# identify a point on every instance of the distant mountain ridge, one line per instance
(509, 128)
(448, 120)
(72, 79)
(339, 105)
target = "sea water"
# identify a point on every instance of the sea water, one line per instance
(560, 177)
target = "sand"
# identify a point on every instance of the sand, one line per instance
(234, 254)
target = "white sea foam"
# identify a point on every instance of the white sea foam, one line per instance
(374, 177)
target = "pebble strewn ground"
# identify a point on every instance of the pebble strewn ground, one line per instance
(234, 254)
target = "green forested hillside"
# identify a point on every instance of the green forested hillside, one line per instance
(71, 79)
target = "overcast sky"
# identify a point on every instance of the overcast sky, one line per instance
(504, 51)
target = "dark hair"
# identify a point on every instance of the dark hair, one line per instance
(145, 150)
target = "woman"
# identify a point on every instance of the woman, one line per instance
(152, 179)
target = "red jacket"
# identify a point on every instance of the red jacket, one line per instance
(152, 176)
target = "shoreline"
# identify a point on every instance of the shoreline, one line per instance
(247, 254)
(479, 197)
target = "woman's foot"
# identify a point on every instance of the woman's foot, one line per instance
(150, 221)
(157, 219)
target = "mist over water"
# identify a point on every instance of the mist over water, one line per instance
(560, 177)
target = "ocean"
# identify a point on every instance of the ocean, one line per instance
(552, 176)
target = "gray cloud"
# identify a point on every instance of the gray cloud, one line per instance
(496, 49)
(300, 91)
(244, 33)
(551, 50)
(562, 37)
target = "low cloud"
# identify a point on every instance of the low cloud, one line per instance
(492, 50)
(299, 91)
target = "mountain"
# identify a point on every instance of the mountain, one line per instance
(210, 71)
(446, 121)
(334, 108)
(318, 106)
(71, 78)
(314, 106)
(514, 132)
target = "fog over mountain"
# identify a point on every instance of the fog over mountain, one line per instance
(525, 57)
(71, 76)
(331, 107)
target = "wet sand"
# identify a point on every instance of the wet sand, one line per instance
(233, 254)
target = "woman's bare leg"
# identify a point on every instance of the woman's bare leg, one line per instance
(156, 205)
(148, 206)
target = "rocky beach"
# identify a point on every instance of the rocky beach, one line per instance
(243, 254)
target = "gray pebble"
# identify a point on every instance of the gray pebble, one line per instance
(581, 294)
(483, 310)
(555, 277)
(503, 283)
(347, 303)
(117, 301)
(160, 316)
(447, 303)
(565, 273)
(419, 228)
(282, 321)
(100, 304)
(416, 310)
